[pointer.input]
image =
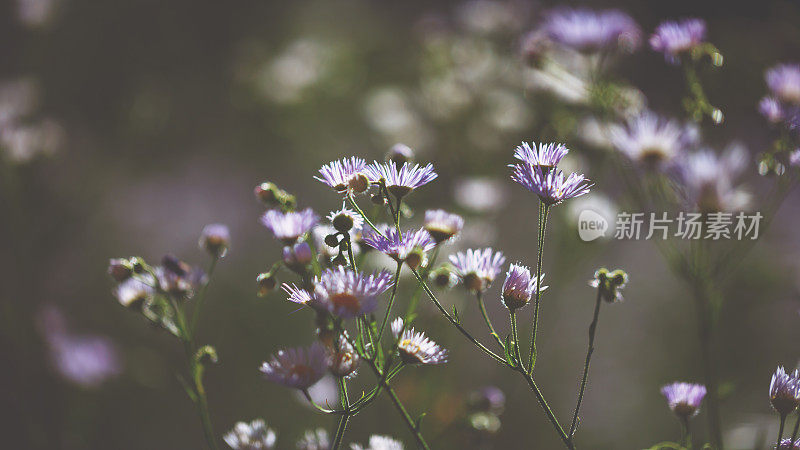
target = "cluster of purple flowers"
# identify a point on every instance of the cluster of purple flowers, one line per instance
(782, 104)
(538, 173)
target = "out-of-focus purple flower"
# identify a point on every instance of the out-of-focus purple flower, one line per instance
(401, 182)
(85, 360)
(120, 269)
(684, 398)
(410, 248)
(587, 30)
(400, 154)
(547, 155)
(551, 186)
(771, 109)
(710, 179)
(289, 226)
(784, 82)
(250, 436)
(673, 38)
(377, 442)
(345, 175)
(298, 368)
(178, 278)
(345, 220)
(519, 287)
(298, 256)
(415, 348)
(650, 140)
(215, 239)
(477, 269)
(784, 391)
(442, 225)
(488, 399)
(347, 293)
(794, 158)
(314, 440)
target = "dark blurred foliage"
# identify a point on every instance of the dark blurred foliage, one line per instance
(162, 136)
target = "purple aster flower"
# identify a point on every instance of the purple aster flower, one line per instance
(345, 360)
(784, 82)
(410, 248)
(314, 440)
(345, 175)
(377, 442)
(771, 109)
(672, 38)
(297, 295)
(289, 226)
(477, 269)
(551, 187)
(215, 239)
(787, 444)
(588, 30)
(298, 368)
(415, 348)
(794, 158)
(250, 436)
(297, 256)
(347, 293)
(401, 182)
(709, 179)
(784, 391)
(442, 225)
(400, 154)
(547, 155)
(650, 140)
(519, 287)
(345, 220)
(684, 398)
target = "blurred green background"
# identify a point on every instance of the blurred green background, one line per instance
(169, 113)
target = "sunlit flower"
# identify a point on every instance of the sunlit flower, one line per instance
(297, 295)
(710, 179)
(415, 348)
(519, 287)
(672, 38)
(477, 269)
(649, 140)
(133, 293)
(347, 293)
(442, 225)
(784, 82)
(401, 182)
(250, 436)
(379, 443)
(314, 440)
(410, 247)
(215, 239)
(345, 220)
(546, 155)
(784, 391)
(588, 30)
(684, 398)
(289, 226)
(345, 175)
(550, 186)
(298, 368)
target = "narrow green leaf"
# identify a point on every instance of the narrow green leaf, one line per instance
(418, 422)
(509, 351)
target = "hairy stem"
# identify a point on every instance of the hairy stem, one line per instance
(589, 351)
(543, 211)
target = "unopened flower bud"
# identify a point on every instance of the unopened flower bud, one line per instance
(215, 239)
(518, 287)
(120, 269)
(343, 223)
(267, 193)
(400, 153)
(302, 253)
(266, 283)
(332, 240)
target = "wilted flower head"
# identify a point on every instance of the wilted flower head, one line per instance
(347, 293)
(547, 155)
(610, 284)
(684, 398)
(477, 269)
(588, 30)
(784, 82)
(551, 186)
(415, 348)
(649, 140)
(289, 226)
(314, 440)
(442, 225)
(401, 182)
(345, 175)
(345, 359)
(215, 239)
(710, 179)
(784, 391)
(298, 368)
(250, 436)
(519, 287)
(345, 220)
(672, 38)
(410, 248)
(379, 443)
(771, 109)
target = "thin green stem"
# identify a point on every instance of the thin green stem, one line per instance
(543, 211)
(515, 334)
(482, 307)
(550, 416)
(342, 426)
(686, 438)
(366, 219)
(796, 428)
(589, 351)
(780, 429)
(407, 418)
(391, 299)
(198, 302)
